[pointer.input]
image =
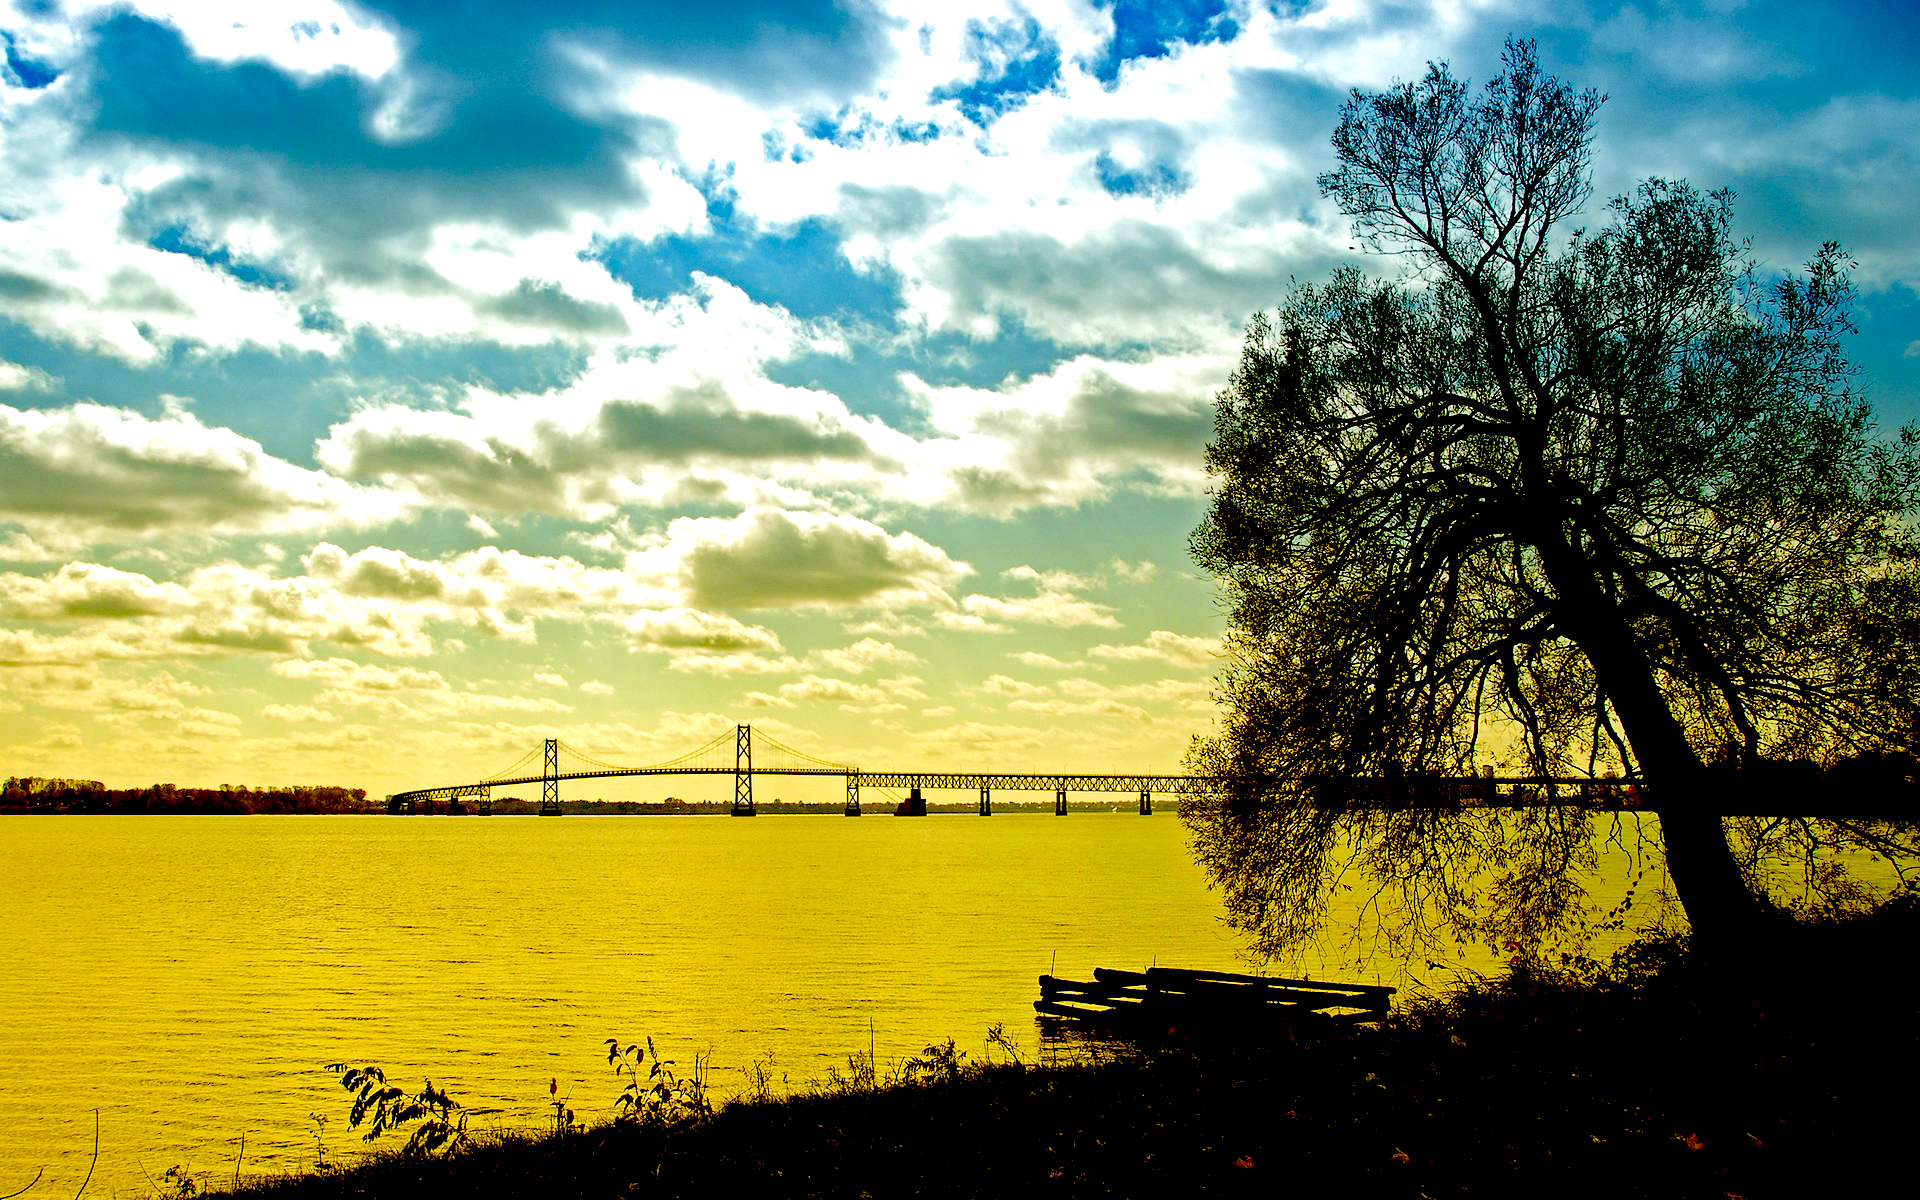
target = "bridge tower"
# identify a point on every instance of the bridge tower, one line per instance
(1146, 803)
(1060, 801)
(853, 793)
(550, 778)
(743, 771)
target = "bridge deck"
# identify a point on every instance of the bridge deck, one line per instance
(1417, 792)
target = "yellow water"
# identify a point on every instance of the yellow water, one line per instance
(188, 977)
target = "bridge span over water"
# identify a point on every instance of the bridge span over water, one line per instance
(734, 753)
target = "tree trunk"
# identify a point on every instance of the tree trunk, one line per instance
(1723, 910)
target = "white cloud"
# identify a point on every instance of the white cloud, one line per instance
(88, 474)
(299, 713)
(1053, 603)
(1076, 708)
(403, 693)
(681, 629)
(816, 688)
(1072, 435)
(307, 37)
(767, 558)
(726, 666)
(1002, 685)
(1165, 646)
(1046, 662)
(864, 655)
(16, 378)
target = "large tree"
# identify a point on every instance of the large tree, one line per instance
(1577, 501)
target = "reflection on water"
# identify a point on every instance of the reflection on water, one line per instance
(189, 976)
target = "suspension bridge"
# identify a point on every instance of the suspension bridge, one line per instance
(743, 754)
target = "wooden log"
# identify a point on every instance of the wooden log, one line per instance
(1168, 974)
(1049, 985)
(1182, 997)
(1054, 1008)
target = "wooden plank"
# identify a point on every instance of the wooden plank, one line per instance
(1170, 973)
(1241, 995)
(1060, 1008)
(1180, 996)
(1049, 985)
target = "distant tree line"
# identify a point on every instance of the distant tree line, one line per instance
(30, 793)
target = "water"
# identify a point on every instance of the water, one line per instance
(189, 976)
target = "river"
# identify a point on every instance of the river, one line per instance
(188, 977)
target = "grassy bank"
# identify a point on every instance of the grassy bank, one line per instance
(1639, 1081)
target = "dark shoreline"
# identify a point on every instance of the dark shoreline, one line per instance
(1646, 1080)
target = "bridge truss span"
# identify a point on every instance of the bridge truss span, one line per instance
(744, 753)
(1169, 785)
(734, 753)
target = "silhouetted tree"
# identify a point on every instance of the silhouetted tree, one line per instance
(1576, 501)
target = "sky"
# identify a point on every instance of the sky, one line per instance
(388, 386)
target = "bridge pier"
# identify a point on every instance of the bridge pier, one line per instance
(1146, 804)
(986, 803)
(1060, 802)
(853, 793)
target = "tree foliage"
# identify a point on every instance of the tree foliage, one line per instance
(1576, 502)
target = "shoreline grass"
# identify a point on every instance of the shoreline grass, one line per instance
(1642, 1080)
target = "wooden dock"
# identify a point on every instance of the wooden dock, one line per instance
(1172, 998)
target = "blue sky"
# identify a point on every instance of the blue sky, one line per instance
(387, 386)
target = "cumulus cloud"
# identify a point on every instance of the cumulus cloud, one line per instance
(697, 420)
(1073, 434)
(864, 655)
(16, 378)
(1054, 603)
(1069, 708)
(90, 474)
(403, 693)
(680, 629)
(767, 558)
(1165, 646)
(1046, 662)
(755, 308)
(667, 598)
(703, 423)
(1002, 685)
(816, 688)
(299, 714)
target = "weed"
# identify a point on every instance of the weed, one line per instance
(997, 1039)
(177, 1183)
(942, 1063)
(440, 1124)
(662, 1098)
(759, 1076)
(321, 1163)
(860, 1076)
(563, 1121)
